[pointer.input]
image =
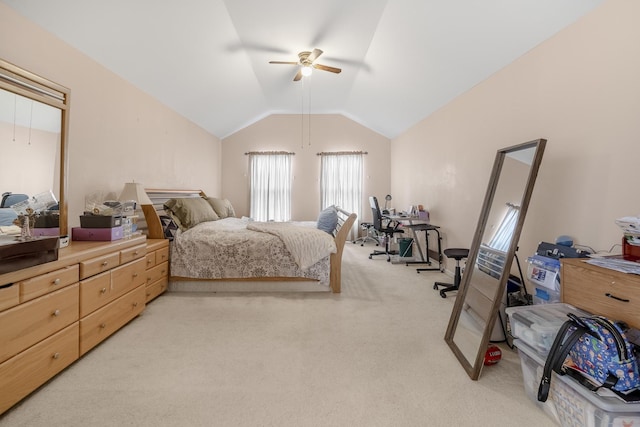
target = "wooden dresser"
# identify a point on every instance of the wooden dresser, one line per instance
(601, 291)
(53, 313)
(157, 267)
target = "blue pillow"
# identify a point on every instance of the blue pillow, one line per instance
(328, 219)
(7, 215)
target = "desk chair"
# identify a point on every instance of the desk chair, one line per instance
(457, 254)
(369, 234)
(385, 227)
(9, 199)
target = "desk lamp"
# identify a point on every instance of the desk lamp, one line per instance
(135, 191)
(387, 199)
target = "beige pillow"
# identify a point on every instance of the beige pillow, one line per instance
(223, 207)
(190, 211)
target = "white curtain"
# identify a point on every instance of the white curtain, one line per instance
(341, 182)
(502, 237)
(270, 186)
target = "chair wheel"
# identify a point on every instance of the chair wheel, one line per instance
(434, 286)
(370, 256)
(361, 244)
(442, 294)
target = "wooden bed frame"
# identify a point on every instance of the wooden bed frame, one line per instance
(155, 231)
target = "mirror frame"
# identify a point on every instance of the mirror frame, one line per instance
(474, 367)
(22, 82)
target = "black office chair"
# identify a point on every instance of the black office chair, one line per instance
(8, 199)
(457, 254)
(385, 227)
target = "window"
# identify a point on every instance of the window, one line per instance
(502, 238)
(341, 181)
(270, 186)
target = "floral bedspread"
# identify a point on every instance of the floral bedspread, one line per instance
(226, 249)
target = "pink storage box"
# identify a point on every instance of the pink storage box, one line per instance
(53, 231)
(98, 234)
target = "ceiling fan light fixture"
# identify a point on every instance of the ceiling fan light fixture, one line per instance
(306, 70)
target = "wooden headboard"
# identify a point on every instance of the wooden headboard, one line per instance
(152, 212)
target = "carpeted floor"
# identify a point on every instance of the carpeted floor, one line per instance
(371, 356)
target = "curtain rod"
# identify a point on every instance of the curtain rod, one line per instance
(249, 153)
(340, 153)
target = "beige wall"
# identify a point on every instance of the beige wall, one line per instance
(581, 91)
(117, 133)
(285, 133)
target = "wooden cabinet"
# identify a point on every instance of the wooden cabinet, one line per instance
(157, 272)
(601, 291)
(53, 313)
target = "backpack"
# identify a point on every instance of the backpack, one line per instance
(596, 352)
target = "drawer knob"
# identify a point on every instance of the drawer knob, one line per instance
(56, 282)
(135, 274)
(135, 253)
(103, 290)
(56, 313)
(135, 304)
(103, 325)
(105, 263)
(616, 298)
(56, 356)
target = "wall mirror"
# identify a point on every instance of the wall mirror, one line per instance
(483, 287)
(34, 116)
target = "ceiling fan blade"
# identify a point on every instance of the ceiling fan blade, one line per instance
(298, 76)
(283, 62)
(314, 55)
(327, 68)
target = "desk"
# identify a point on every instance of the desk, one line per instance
(425, 258)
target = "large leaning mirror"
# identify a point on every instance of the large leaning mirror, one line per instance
(488, 266)
(34, 116)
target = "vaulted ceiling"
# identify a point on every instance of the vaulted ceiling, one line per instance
(208, 60)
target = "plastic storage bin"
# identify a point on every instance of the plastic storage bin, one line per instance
(571, 404)
(544, 271)
(537, 325)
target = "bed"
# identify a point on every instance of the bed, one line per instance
(219, 251)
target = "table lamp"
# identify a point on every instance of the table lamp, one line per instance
(135, 191)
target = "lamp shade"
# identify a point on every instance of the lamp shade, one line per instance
(135, 191)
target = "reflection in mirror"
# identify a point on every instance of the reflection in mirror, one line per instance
(33, 136)
(30, 137)
(473, 321)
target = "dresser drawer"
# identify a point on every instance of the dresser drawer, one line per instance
(129, 276)
(157, 272)
(99, 264)
(26, 324)
(601, 291)
(162, 255)
(151, 259)
(97, 326)
(9, 296)
(95, 292)
(38, 286)
(156, 288)
(25, 372)
(135, 252)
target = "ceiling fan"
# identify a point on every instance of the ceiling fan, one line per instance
(306, 62)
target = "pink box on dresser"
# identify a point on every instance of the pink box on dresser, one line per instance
(99, 234)
(53, 231)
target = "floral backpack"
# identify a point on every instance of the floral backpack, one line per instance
(595, 351)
